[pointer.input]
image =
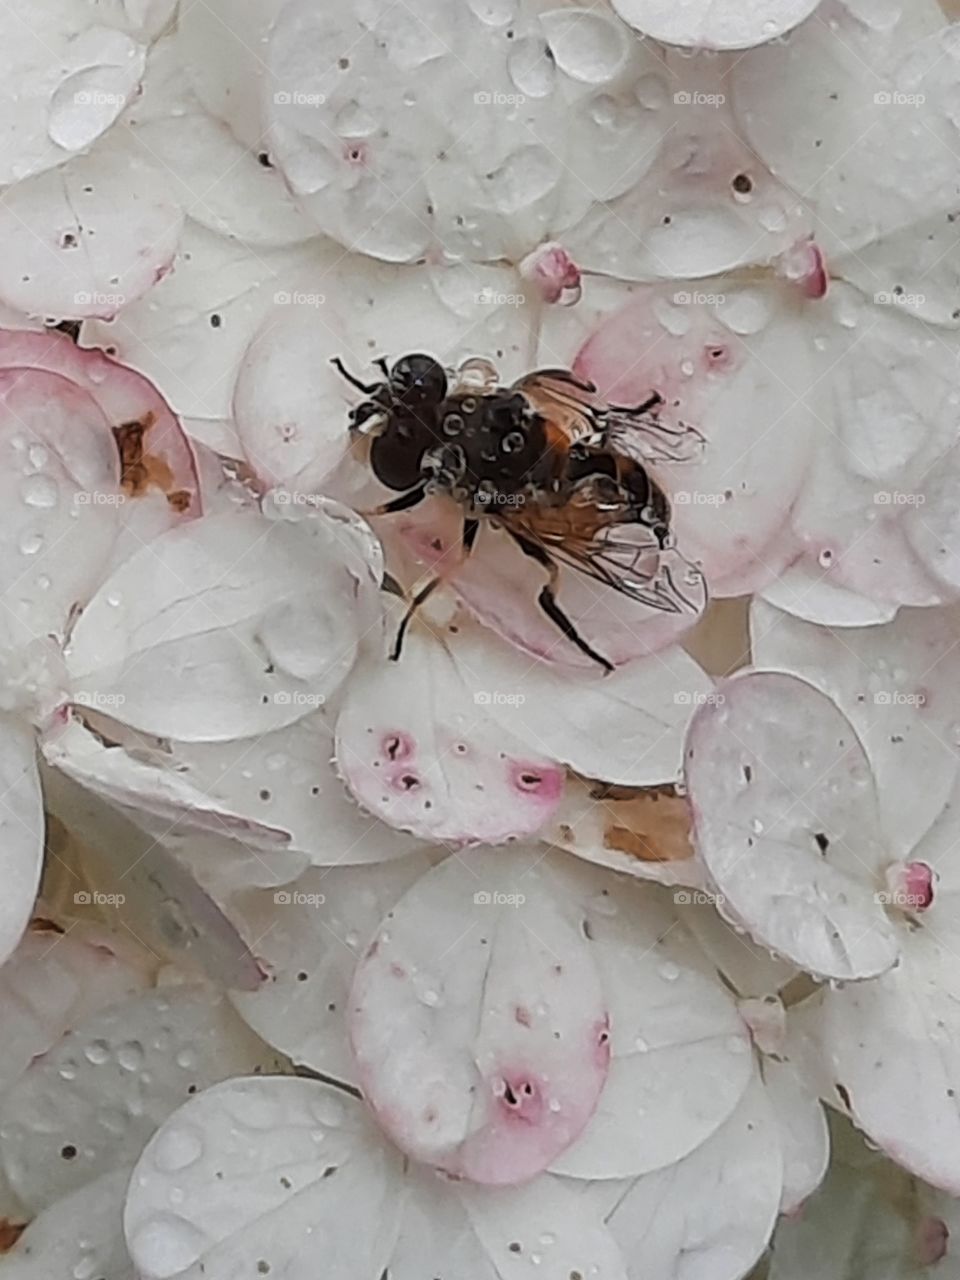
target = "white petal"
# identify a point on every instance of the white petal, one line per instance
(854, 110)
(891, 1046)
(82, 1233)
(53, 981)
(681, 1055)
(66, 72)
(90, 238)
(749, 967)
(810, 595)
(626, 727)
(896, 684)
(477, 1020)
(21, 830)
(714, 24)
(278, 1171)
(171, 336)
(218, 43)
(309, 936)
(416, 749)
(92, 1100)
(233, 626)
(786, 820)
(222, 183)
(803, 1132)
(710, 1215)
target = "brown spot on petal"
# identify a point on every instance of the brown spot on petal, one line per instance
(651, 824)
(40, 924)
(141, 470)
(10, 1233)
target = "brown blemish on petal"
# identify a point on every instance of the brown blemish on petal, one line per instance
(10, 1233)
(140, 470)
(40, 924)
(650, 824)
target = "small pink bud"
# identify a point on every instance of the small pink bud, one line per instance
(803, 265)
(909, 886)
(554, 274)
(931, 1241)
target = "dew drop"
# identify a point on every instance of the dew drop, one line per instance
(31, 543)
(177, 1148)
(669, 971)
(40, 491)
(97, 1052)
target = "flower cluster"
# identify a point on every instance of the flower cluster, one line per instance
(471, 956)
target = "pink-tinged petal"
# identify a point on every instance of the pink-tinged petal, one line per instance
(310, 935)
(787, 821)
(418, 749)
(714, 24)
(54, 980)
(90, 238)
(490, 954)
(897, 685)
(264, 1171)
(83, 1230)
(644, 833)
(890, 1047)
(21, 830)
(230, 626)
(734, 366)
(856, 112)
(681, 1057)
(144, 451)
(58, 458)
(931, 526)
(84, 1107)
(626, 727)
(804, 1136)
(674, 1223)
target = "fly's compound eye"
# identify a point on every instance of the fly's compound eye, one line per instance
(418, 379)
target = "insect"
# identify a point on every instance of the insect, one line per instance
(564, 475)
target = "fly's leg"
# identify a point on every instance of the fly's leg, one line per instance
(368, 388)
(470, 530)
(403, 503)
(548, 599)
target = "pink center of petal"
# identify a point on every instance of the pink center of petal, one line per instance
(553, 273)
(909, 886)
(804, 265)
(521, 1098)
(546, 784)
(932, 1239)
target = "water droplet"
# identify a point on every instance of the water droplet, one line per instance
(669, 971)
(31, 543)
(97, 1052)
(531, 69)
(130, 1055)
(167, 1243)
(177, 1148)
(40, 491)
(37, 455)
(186, 1059)
(756, 826)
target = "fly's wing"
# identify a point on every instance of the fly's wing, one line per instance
(624, 556)
(564, 401)
(640, 434)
